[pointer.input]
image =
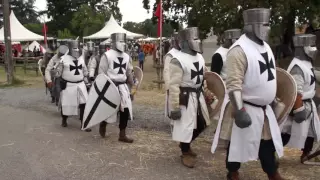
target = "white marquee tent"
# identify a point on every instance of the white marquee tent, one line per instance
(36, 45)
(112, 27)
(19, 32)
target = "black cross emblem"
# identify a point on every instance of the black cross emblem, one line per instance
(99, 99)
(197, 73)
(313, 77)
(76, 67)
(120, 66)
(268, 66)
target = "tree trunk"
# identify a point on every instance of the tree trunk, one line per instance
(289, 32)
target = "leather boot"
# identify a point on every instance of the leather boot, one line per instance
(123, 137)
(188, 160)
(64, 122)
(53, 100)
(103, 129)
(276, 176)
(233, 176)
(190, 151)
(304, 158)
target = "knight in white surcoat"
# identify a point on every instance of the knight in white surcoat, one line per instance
(302, 127)
(218, 62)
(94, 62)
(115, 63)
(175, 49)
(188, 110)
(251, 85)
(73, 73)
(50, 71)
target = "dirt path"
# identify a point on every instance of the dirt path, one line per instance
(33, 146)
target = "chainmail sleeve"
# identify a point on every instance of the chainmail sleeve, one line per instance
(298, 76)
(103, 66)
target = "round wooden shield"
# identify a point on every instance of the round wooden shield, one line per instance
(138, 73)
(286, 92)
(216, 85)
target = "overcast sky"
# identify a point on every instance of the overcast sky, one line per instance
(131, 10)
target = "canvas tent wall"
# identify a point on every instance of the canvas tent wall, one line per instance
(19, 32)
(112, 27)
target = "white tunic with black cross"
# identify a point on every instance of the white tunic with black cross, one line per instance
(116, 65)
(259, 88)
(193, 74)
(223, 53)
(75, 93)
(311, 126)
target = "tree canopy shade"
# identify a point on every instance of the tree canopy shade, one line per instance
(63, 12)
(220, 15)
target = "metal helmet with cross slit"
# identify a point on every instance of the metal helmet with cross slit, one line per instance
(74, 50)
(175, 41)
(232, 34)
(189, 40)
(118, 41)
(256, 21)
(308, 43)
(90, 46)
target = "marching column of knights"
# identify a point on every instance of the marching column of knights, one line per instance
(243, 89)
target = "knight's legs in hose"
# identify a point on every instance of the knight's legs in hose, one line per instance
(124, 116)
(188, 157)
(64, 119)
(82, 107)
(268, 159)
(232, 167)
(308, 146)
(103, 129)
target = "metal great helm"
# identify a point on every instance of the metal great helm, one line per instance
(189, 39)
(74, 50)
(90, 46)
(308, 43)
(175, 41)
(102, 49)
(96, 50)
(118, 41)
(232, 34)
(52, 45)
(256, 21)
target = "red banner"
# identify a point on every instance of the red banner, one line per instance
(158, 14)
(44, 31)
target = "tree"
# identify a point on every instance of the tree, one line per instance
(148, 28)
(62, 12)
(65, 34)
(34, 27)
(220, 15)
(24, 10)
(86, 21)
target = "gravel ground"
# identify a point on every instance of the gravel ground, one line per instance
(33, 146)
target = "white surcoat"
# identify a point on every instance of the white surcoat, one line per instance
(259, 88)
(193, 74)
(223, 53)
(311, 126)
(115, 65)
(75, 92)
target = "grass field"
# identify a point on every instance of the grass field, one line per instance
(148, 93)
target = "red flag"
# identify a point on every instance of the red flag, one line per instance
(44, 31)
(158, 14)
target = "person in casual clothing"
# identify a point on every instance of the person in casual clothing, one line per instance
(141, 58)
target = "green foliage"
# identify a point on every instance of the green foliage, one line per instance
(148, 28)
(220, 15)
(24, 10)
(87, 21)
(63, 12)
(34, 27)
(65, 34)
